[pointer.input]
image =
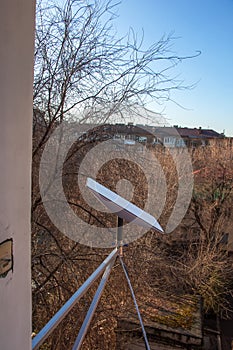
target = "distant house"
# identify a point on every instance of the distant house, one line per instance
(189, 137)
(128, 135)
(167, 136)
(136, 133)
(198, 137)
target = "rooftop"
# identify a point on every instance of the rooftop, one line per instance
(174, 322)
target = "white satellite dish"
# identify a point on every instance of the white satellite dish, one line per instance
(123, 208)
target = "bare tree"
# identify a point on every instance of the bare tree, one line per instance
(84, 71)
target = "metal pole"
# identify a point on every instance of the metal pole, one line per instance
(136, 305)
(119, 239)
(58, 317)
(92, 308)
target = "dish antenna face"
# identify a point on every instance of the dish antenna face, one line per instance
(123, 208)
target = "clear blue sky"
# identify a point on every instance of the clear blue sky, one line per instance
(205, 25)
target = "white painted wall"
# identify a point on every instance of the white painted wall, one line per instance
(16, 76)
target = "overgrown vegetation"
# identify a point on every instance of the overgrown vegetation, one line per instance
(193, 260)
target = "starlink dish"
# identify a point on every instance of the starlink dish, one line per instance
(123, 208)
